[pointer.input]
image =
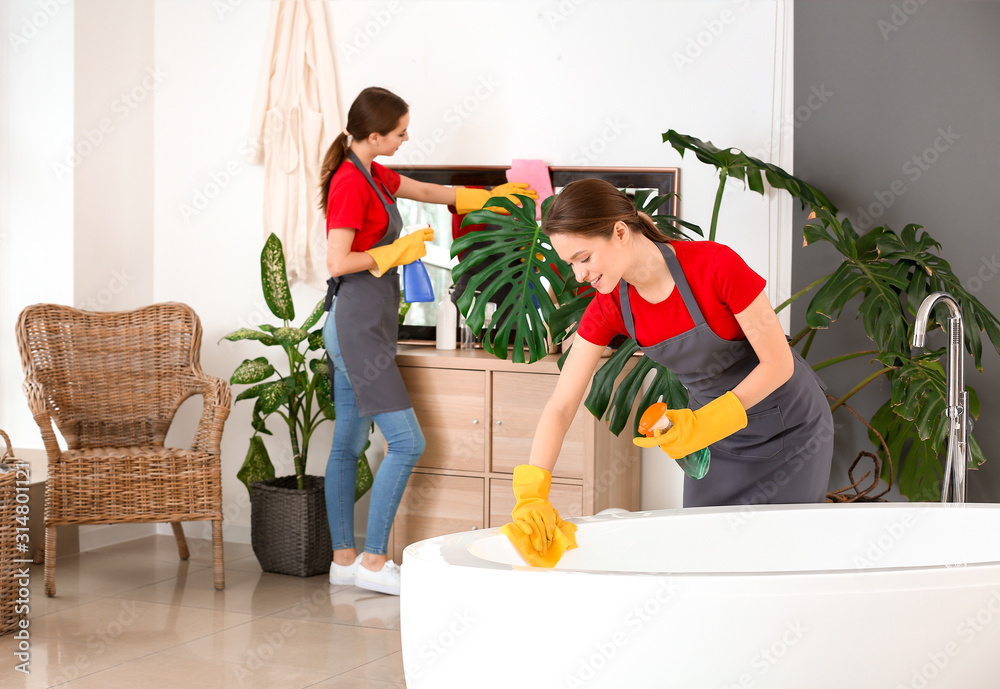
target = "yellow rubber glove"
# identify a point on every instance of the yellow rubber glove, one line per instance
(402, 251)
(537, 531)
(468, 200)
(694, 430)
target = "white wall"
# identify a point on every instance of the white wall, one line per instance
(36, 234)
(573, 82)
(113, 181)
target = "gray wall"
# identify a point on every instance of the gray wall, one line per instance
(899, 78)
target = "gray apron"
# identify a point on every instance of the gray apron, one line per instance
(367, 319)
(784, 453)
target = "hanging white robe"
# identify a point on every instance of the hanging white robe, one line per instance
(296, 116)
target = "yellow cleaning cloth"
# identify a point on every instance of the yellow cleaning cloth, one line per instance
(537, 531)
(564, 538)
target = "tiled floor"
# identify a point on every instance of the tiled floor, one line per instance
(134, 615)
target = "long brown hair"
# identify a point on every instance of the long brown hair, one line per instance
(374, 110)
(591, 207)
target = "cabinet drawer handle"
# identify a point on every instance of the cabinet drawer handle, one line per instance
(475, 421)
(499, 423)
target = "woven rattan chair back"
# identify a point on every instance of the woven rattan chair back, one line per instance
(111, 379)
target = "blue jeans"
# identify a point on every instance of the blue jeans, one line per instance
(350, 433)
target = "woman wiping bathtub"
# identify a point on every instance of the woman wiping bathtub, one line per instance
(363, 251)
(699, 310)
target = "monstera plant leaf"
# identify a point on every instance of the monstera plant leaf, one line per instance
(646, 201)
(613, 392)
(928, 273)
(546, 301)
(914, 424)
(732, 162)
(573, 301)
(514, 254)
(864, 271)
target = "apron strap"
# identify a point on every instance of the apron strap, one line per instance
(361, 168)
(679, 281)
(682, 285)
(626, 309)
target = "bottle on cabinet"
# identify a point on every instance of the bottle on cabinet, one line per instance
(447, 322)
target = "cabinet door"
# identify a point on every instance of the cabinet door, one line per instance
(435, 505)
(518, 399)
(451, 407)
(566, 498)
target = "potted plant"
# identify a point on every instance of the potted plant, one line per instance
(289, 529)
(891, 273)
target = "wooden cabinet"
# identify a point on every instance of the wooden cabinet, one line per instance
(479, 415)
(436, 504)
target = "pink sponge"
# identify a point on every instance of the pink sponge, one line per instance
(535, 173)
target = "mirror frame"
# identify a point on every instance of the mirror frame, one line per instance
(664, 180)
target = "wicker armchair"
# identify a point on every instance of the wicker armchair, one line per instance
(111, 383)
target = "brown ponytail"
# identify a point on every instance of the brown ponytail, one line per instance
(591, 207)
(375, 110)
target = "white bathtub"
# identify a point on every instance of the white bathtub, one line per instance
(887, 596)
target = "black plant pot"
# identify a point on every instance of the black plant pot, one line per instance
(288, 527)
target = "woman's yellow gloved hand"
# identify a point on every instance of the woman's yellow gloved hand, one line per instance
(468, 200)
(694, 430)
(537, 531)
(402, 251)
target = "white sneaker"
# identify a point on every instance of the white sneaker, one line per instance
(386, 580)
(344, 575)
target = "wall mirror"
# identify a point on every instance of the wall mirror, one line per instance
(421, 317)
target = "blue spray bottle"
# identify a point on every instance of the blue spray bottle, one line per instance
(416, 281)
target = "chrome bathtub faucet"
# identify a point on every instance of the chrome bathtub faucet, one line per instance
(958, 399)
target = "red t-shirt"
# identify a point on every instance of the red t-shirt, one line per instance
(353, 203)
(722, 283)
